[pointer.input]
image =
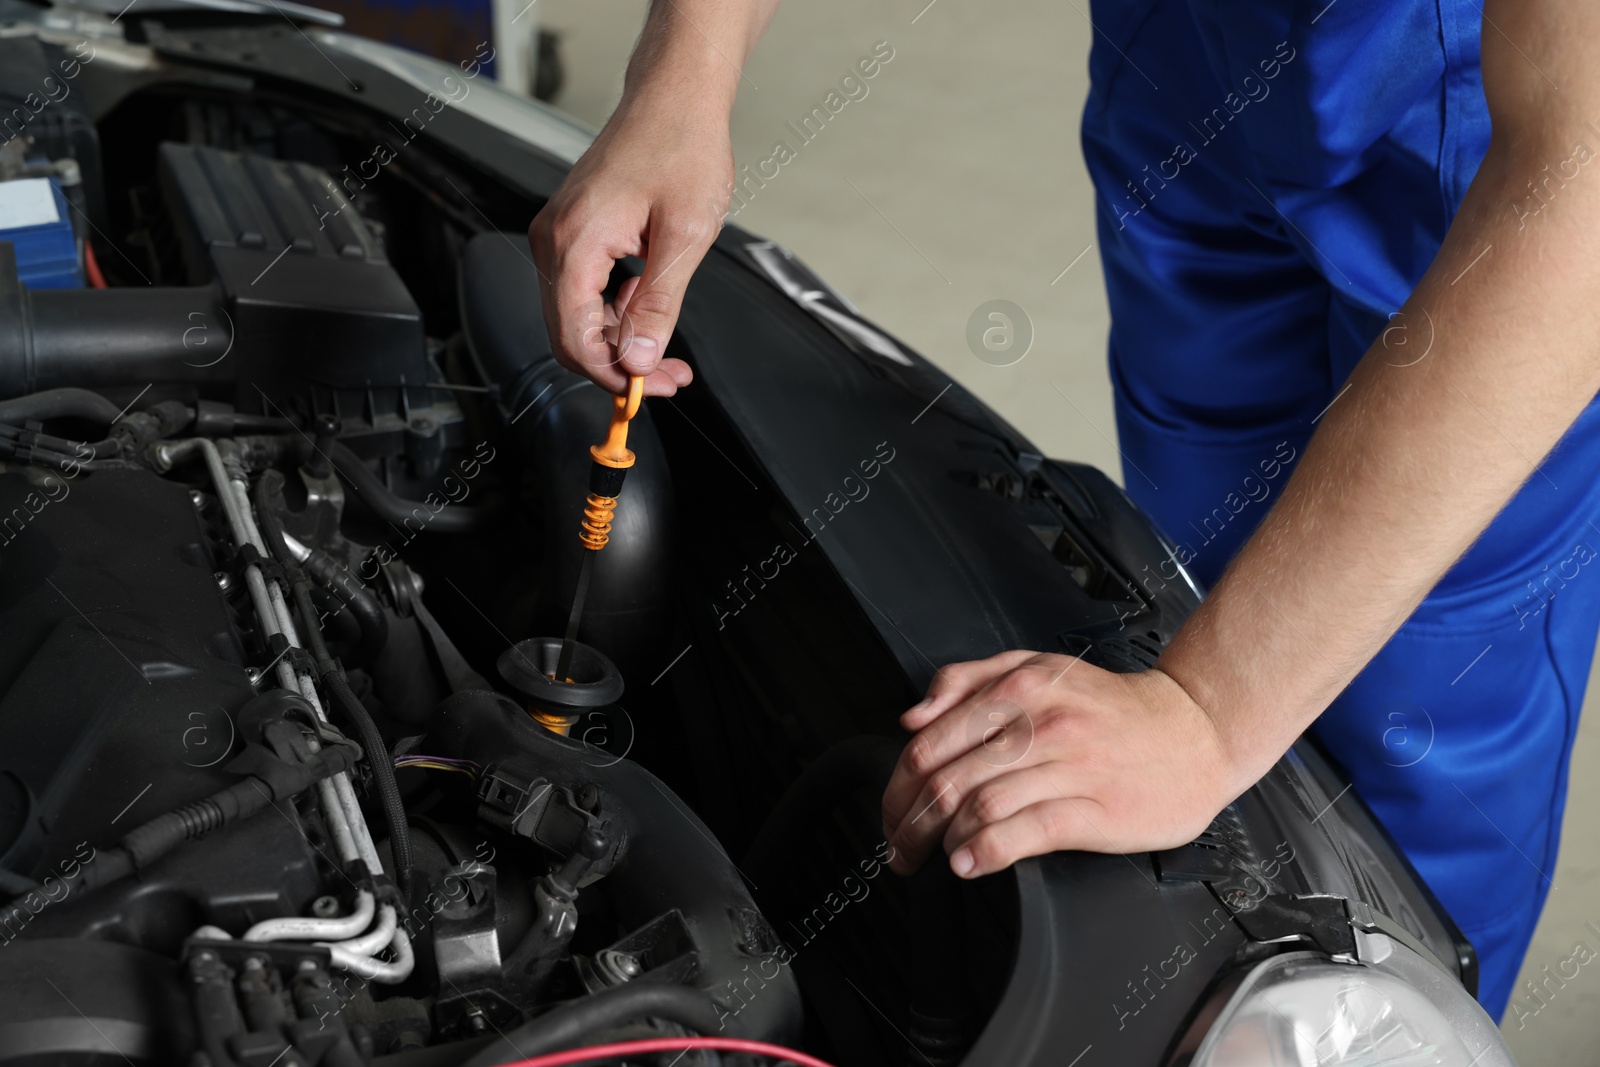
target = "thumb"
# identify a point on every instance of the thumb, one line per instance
(676, 248)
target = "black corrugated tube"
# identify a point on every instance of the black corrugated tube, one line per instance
(394, 811)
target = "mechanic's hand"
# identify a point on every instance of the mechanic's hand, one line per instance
(656, 183)
(1025, 753)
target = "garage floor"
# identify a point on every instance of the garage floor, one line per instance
(957, 180)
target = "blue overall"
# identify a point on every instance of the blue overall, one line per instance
(1273, 177)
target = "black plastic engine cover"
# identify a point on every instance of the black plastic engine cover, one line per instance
(120, 674)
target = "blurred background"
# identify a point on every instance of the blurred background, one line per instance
(955, 181)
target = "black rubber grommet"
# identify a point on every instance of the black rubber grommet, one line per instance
(529, 667)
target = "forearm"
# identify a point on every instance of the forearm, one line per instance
(1412, 461)
(691, 52)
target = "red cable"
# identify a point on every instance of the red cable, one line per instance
(669, 1044)
(92, 268)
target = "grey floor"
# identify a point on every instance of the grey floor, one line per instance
(955, 181)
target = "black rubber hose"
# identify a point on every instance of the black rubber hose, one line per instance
(394, 811)
(567, 1026)
(62, 403)
(69, 465)
(361, 600)
(102, 448)
(210, 421)
(450, 518)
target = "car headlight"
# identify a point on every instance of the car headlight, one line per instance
(1303, 1010)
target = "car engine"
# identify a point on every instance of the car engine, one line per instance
(277, 785)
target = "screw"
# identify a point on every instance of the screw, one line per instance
(627, 964)
(224, 580)
(325, 907)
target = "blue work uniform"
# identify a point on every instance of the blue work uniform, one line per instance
(1273, 177)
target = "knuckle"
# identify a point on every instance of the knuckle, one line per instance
(686, 228)
(1013, 686)
(652, 303)
(564, 225)
(921, 756)
(1055, 726)
(1055, 822)
(539, 230)
(990, 804)
(944, 798)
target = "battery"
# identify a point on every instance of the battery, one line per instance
(35, 218)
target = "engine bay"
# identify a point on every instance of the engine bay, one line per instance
(294, 505)
(288, 516)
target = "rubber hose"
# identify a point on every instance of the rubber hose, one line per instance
(450, 518)
(361, 600)
(69, 465)
(210, 422)
(571, 1024)
(107, 446)
(66, 402)
(394, 810)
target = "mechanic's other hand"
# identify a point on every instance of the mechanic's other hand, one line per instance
(1026, 753)
(656, 184)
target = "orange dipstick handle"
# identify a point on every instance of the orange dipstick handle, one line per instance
(614, 452)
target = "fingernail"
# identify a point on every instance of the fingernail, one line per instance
(962, 862)
(640, 353)
(919, 705)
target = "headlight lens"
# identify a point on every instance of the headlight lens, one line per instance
(1300, 1010)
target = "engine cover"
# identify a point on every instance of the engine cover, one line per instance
(120, 674)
